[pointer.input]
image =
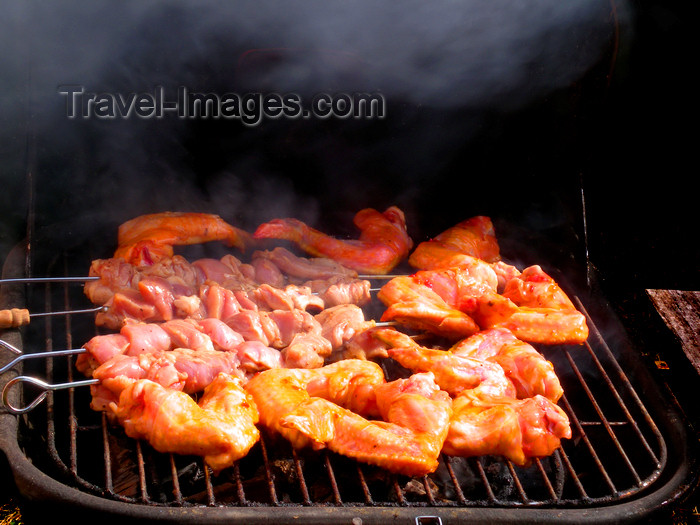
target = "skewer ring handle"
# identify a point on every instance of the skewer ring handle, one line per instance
(43, 385)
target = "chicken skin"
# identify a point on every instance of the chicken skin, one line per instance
(474, 237)
(527, 369)
(148, 238)
(221, 427)
(417, 306)
(415, 412)
(382, 244)
(434, 299)
(518, 429)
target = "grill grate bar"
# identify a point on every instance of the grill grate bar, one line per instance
(484, 479)
(603, 418)
(573, 475)
(142, 473)
(107, 456)
(211, 500)
(545, 479)
(447, 460)
(331, 478)
(269, 475)
(300, 477)
(176, 479)
(516, 481)
(365, 487)
(591, 449)
(632, 392)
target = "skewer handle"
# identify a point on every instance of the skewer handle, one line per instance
(13, 318)
(42, 385)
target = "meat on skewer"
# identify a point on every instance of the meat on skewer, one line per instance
(165, 291)
(382, 244)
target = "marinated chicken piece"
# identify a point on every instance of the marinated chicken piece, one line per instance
(409, 441)
(181, 369)
(306, 350)
(417, 306)
(453, 373)
(350, 384)
(418, 300)
(277, 328)
(220, 428)
(133, 339)
(417, 418)
(362, 345)
(527, 369)
(277, 393)
(535, 325)
(475, 237)
(518, 429)
(534, 288)
(383, 241)
(148, 238)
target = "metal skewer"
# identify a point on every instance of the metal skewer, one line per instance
(53, 353)
(29, 280)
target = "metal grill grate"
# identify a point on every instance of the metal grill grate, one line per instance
(616, 452)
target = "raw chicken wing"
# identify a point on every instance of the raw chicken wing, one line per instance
(221, 427)
(519, 429)
(147, 238)
(382, 244)
(475, 237)
(528, 370)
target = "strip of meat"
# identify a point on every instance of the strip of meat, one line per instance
(303, 268)
(528, 369)
(210, 301)
(519, 429)
(148, 238)
(474, 237)
(382, 244)
(184, 278)
(182, 368)
(220, 428)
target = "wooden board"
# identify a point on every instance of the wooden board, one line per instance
(680, 310)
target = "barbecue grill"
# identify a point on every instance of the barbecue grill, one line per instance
(633, 448)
